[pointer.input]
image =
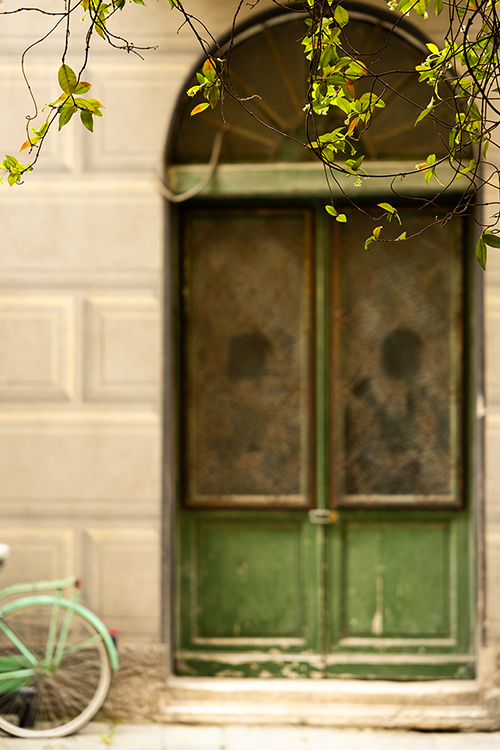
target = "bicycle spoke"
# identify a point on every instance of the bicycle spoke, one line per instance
(72, 677)
(16, 641)
(83, 644)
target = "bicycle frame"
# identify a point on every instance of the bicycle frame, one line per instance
(15, 679)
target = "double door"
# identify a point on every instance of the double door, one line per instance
(323, 523)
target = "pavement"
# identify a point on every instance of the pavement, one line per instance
(99, 736)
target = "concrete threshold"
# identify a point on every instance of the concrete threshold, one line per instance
(439, 705)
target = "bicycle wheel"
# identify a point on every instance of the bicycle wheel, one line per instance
(39, 698)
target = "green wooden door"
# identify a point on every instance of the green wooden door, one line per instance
(324, 523)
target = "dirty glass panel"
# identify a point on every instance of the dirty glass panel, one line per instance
(247, 319)
(398, 364)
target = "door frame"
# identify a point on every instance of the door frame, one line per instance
(255, 182)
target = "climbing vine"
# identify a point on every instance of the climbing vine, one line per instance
(461, 77)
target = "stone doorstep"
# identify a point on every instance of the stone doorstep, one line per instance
(444, 704)
(471, 718)
(249, 690)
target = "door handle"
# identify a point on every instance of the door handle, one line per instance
(323, 516)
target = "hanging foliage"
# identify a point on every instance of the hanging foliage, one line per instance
(461, 77)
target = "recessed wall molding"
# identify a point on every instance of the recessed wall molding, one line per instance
(122, 348)
(77, 511)
(37, 343)
(76, 280)
(492, 324)
(37, 554)
(122, 574)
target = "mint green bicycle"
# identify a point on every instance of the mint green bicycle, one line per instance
(56, 659)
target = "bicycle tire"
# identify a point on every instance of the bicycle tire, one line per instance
(60, 701)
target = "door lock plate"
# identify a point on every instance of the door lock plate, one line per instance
(323, 516)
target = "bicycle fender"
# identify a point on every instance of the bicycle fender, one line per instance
(68, 604)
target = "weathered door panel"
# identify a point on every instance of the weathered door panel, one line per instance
(250, 602)
(249, 578)
(398, 596)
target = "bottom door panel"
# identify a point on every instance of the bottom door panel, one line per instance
(398, 596)
(251, 590)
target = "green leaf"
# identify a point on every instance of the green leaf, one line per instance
(387, 207)
(369, 242)
(438, 7)
(66, 113)
(87, 119)
(405, 6)
(420, 9)
(481, 253)
(213, 95)
(84, 104)
(401, 237)
(424, 112)
(200, 108)
(95, 103)
(41, 130)
(341, 15)
(493, 240)
(331, 210)
(342, 218)
(209, 70)
(82, 87)
(376, 232)
(67, 79)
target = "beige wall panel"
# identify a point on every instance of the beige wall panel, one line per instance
(122, 580)
(492, 540)
(80, 463)
(493, 586)
(153, 25)
(36, 348)
(147, 93)
(492, 337)
(37, 555)
(492, 274)
(492, 464)
(19, 29)
(148, 26)
(123, 348)
(67, 226)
